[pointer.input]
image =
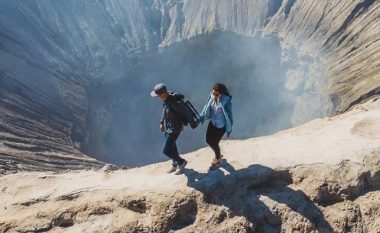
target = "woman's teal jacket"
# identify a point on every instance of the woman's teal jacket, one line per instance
(227, 110)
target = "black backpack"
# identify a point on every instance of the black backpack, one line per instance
(189, 115)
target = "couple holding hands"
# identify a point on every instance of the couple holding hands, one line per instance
(218, 109)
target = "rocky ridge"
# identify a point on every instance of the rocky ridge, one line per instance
(321, 186)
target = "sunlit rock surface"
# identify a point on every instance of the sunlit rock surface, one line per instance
(323, 176)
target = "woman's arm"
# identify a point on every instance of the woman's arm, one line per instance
(229, 112)
(202, 115)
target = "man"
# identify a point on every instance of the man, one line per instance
(171, 124)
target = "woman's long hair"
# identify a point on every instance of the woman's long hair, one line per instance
(221, 88)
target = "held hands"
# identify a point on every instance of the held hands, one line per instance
(162, 127)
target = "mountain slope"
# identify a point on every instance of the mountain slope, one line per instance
(55, 56)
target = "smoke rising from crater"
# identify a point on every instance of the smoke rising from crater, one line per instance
(264, 99)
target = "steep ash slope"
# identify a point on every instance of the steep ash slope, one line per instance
(68, 69)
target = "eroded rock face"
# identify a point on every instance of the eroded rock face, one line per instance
(61, 63)
(254, 199)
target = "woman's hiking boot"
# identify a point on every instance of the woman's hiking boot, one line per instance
(215, 160)
(216, 163)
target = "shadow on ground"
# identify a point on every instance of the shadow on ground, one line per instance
(248, 191)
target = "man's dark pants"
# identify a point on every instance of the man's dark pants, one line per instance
(170, 148)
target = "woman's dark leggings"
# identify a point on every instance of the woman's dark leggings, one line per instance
(213, 137)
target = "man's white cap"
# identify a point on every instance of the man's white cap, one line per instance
(158, 89)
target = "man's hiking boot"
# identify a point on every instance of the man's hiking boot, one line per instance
(181, 168)
(173, 169)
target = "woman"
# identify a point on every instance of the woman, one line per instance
(218, 110)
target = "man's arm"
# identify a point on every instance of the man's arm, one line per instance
(162, 127)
